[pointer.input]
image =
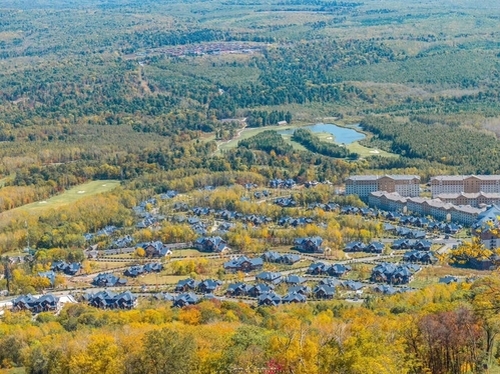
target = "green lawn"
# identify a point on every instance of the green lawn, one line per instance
(325, 137)
(70, 196)
(363, 151)
(249, 132)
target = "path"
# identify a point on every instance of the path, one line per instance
(238, 134)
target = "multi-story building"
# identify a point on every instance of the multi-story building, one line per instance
(487, 227)
(364, 185)
(389, 201)
(472, 199)
(464, 214)
(469, 184)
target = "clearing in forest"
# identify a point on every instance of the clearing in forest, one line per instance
(69, 196)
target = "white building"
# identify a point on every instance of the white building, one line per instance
(469, 184)
(364, 185)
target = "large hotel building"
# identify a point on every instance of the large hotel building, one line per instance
(363, 185)
(468, 184)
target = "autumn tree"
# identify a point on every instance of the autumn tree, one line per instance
(168, 351)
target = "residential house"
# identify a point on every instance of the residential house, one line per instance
(302, 289)
(376, 247)
(293, 298)
(213, 244)
(323, 291)
(243, 264)
(355, 247)
(317, 268)
(259, 289)
(280, 258)
(423, 257)
(393, 274)
(295, 279)
(185, 299)
(155, 249)
(238, 289)
(449, 279)
(109, 300)
(386, 289)
(170, 194)
(309, 245)
(135, 271)
(285, 202)
(185, 285)
(108, 280)
(269, 277)
(353, 285)
(269, 299)
(33, 304)
(337, 270)
(332, 282)
(208, 286)
(66, 268)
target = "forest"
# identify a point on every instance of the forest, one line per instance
(442, 329)
(186, 96)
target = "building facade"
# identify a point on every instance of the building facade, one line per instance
(464, 214)
(364, 185)
(469, 184)
(473, 199)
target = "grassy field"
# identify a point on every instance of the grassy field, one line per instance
(325, 137)
(68, 197)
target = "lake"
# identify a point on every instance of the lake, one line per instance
(341, 135)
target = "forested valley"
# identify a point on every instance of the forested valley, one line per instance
(107, 105)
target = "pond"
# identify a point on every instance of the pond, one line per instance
(341, 135)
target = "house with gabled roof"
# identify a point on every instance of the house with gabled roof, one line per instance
(449, 279)
(309, 245)
(155, 249)
(317, 268)
(108, 280)
(280, 258)
(323, 291)
(393, 274)
(386, 289)
(295, 279)
(269, 277)
(259, 289)
(213, 244)
(243, 264)
(332, 282)
(185, 285)
(185, 299)
(375, 247)
(208, 286)
(33, 304)
(423, 257)
(109, 300)
(238, 289)
(66, 268)
(134, 271)
(355, 246)
(353, 285)
(293, 298)
(269, 299)
(302, 289)
(337, 270)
